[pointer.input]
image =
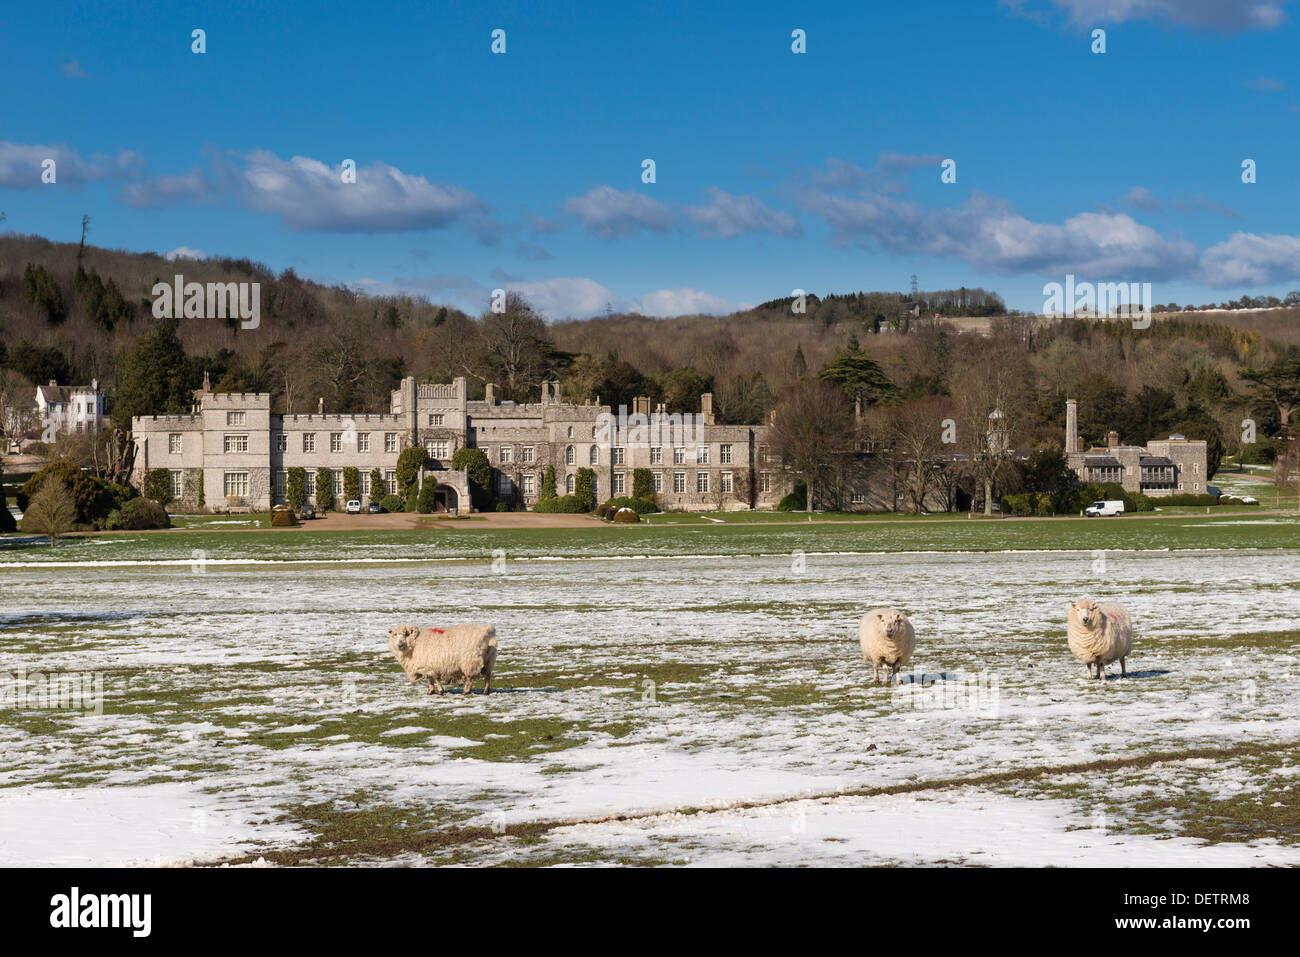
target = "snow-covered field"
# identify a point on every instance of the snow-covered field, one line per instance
(716, 702)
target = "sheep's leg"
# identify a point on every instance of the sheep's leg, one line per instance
(1101, 671)
(430, 689)
(437, 684)
(1123, 670)
(893, 674)
(487, 683)
(875, 673)
(1087, 666)
(468, 687)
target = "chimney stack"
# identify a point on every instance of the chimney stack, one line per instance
(1071, 425)
(320, 405)
(706, 408)
(1078, 444)
(546, 392)
(1112, 439)
(489, 393)
(54, 383)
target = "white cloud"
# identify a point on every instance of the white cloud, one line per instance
(609, 213)
(1221, 15)
(20, 165)
(682, 302)
(185, 252)
(567, 298)
(1252, 260)
(728, 215)
(310, 196)
(986, 232)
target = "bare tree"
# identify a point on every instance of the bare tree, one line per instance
(812, 430)
(17, 406)
(916, 450)
(990, 402)
(514, 344)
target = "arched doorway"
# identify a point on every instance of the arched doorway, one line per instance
(445, 499)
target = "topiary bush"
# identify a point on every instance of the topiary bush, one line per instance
(476, 466)
(295, 488)
(392, 503)
(425, 501)
(324, 489)
(602, 510)
(625, 516)
(643, 484)
(584, 488)
(283, 518)
(158, 486)
(796, 501)
(351, 483)
(642, 506)
(140, 514)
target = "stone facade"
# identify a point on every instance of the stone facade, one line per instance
(1171, 466)
(238, 451)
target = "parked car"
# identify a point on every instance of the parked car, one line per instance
(353, 507)
(307, 511)
(1102, 509)
(376, 509)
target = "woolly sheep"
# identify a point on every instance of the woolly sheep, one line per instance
(454, 655)
(1100, 633)
(887, 640)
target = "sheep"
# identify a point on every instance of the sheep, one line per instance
(1100, 633)
(457, 654)
(887, 639)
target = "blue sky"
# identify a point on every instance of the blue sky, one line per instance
(775, 170)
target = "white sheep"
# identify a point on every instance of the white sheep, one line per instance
(887, 639)
(1100, 633)
(451, 655)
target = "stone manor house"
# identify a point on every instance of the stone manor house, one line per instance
(239, 451)
(1172, 466)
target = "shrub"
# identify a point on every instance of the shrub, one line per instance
(504, 507)
(296, 488)
(113, 521)
(92, 497)
(626, 515)
(51, 510)
(796, 501)
(1186, 498)
(392, 503)
(377, 486)
(324, 489)
(143, 513)
(1018, 503)
(282, 518)
(351, 483)
(1043, 504)
(548, 483)
(643, 484)
(158, 486)
(602, 510)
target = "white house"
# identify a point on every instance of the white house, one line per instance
(71, 408)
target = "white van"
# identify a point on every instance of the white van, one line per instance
(1102, 509)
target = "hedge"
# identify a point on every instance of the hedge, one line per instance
(642, 506)
(568, 504)
(144, 513)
